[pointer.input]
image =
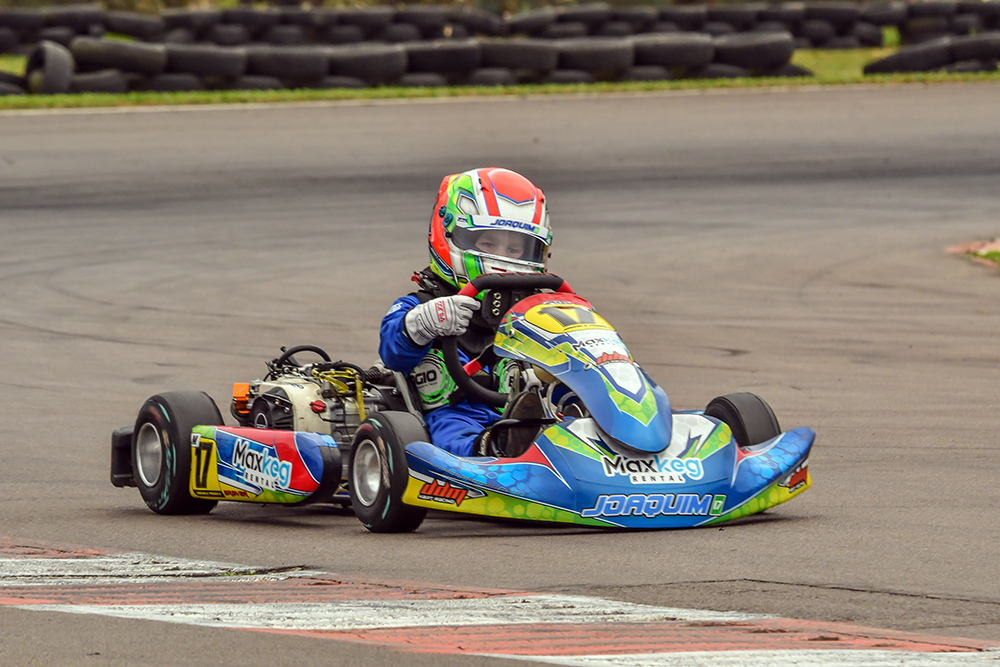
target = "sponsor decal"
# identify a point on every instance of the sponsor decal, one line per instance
(797, 479)
(657, 470)
(656, 504)
(442, 312)
(235, 493)
(394, 307)
(514, 224)
(259, 467)
(442, 493)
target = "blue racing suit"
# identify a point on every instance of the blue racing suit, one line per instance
(452, 427)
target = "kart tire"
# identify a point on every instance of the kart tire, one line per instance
(161, 450)
(748, 416)
(689, 18)
(378, 472)
(50, 69)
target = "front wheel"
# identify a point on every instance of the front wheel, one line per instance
(378, 472)
(161, 450)
(748, 416)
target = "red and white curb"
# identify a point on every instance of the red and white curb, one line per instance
(572, 630)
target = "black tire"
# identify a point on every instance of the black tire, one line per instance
(251, 82)
(50, 69)
(378, 472)
(343, 34)
(341, 82)
(791, 70)
(640, 17)
(741, 17)
(845, 42)
(719, 71)
(228, 34)
(971, 66)
(161, 450)
(101, 81)
(422, 80)
(591, 14)
(195, 20)
(491, 76)
(256, 21)
(22, 20)
(10, 89)
(868, 34)
(718, 28)
(647, 73)
(884, 13)
(77, 16)
(965, 24)
(94, 54)
(427, 18)
(13, 80)
(59, 34)
(771, 26)
(141, 26)
(374, 63)
(818, 32)
(686, 17)
(286, 35)
(299, 63)
(664, 26)
(674, 50)
(8, 40)
(206, 60)
(920, 58)
(569, 76)
(565, 31)
(170, 83)
(477, 21)
(615, 29)
(755, 50)
(985, 46)
(598, 55)
(179, 36)
(443, 56)
(789, 13)
(369, 19)
(397, 33)
(532, 54)
(531, 23)
(841, 14)
(748, 416)
(928, 8)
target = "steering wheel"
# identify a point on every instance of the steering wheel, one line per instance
(287, 354)
(500, 289)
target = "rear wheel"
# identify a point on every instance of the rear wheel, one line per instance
(378, 472)
(161, 450)
(748, 416)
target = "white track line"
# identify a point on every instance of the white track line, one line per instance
(802, 658)
(373, 614)
(118, 568)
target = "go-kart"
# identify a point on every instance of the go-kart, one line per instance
(606, 450)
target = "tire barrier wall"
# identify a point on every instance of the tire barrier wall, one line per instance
(93, 64)
(975, 53)
(818, 24)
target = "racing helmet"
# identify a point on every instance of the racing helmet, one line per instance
(488, 220)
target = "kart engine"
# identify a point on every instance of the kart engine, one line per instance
(331, 398)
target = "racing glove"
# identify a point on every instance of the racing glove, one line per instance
(444, 316)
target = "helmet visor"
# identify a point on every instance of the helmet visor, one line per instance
(502, 243)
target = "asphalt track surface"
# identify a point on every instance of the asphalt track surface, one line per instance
(784, 243)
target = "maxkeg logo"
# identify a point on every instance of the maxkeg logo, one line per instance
(657, 470)
(261, 468)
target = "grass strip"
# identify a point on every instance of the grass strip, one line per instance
(832, 67)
